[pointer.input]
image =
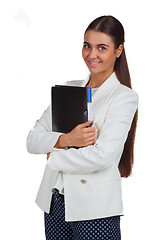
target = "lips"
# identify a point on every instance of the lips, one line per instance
(94, 63)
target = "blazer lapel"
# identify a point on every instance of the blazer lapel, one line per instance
(105, 89)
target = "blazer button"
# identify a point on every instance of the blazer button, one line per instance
(83, 181)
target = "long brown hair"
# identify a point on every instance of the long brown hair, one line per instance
(112, 27)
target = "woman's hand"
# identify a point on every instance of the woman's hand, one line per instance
(80, 136)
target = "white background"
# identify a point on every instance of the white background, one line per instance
(40, 45)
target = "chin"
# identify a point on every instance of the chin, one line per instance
(94, 71)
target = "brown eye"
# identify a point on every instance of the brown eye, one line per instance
(102, 48)
(86, 46)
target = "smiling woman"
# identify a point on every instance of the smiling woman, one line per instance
(80, 191)
(99, 55)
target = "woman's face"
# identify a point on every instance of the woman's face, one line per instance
(99, 53)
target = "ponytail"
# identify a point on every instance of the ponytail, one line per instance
(127, 158)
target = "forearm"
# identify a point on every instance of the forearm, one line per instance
(41, 139)
(42, 142)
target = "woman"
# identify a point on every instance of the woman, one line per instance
(80, 191)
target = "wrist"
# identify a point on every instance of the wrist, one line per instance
(62, 141)
(65, 140)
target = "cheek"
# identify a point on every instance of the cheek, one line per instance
(84, 54)
(110, 58)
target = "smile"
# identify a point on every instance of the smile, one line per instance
(94, 63)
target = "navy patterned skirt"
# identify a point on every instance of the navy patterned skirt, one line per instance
(57, 229)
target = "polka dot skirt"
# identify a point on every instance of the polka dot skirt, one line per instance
(57, 229)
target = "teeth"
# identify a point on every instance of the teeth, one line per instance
(94, 62)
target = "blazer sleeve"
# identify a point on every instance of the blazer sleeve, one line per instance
(108, 148)
(41, 139)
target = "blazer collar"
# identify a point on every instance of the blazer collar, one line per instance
(107, 86)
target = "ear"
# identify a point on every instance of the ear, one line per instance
(119, 50)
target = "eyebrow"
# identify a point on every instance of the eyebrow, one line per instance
(99, 45)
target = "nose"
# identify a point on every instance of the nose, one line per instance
(93, 53)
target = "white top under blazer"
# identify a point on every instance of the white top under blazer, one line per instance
(88, 177)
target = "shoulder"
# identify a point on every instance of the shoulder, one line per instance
(123, 92)
(123, 102)
(74, 83)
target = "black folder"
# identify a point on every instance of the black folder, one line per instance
(69, 107)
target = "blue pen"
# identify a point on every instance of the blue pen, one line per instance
(89, 103)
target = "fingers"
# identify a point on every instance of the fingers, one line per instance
(82, 135)
(91, 134)
(89, 130)
(90, 142)
(84, 125)
(90, 139)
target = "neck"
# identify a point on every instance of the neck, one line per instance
(96, 80)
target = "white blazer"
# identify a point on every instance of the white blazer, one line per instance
(89, 176)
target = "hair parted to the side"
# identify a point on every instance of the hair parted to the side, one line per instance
(112, 27)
